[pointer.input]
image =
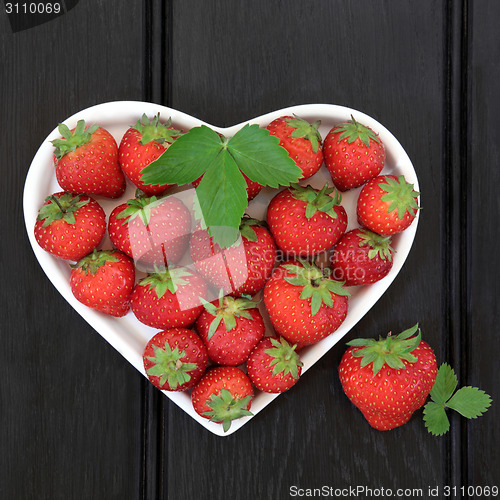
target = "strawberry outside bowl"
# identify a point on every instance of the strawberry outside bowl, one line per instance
(127, 335)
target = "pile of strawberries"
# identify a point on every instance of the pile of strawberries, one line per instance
(211, 334)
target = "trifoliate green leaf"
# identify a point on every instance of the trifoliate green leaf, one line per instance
(470, 402)
(222, 194)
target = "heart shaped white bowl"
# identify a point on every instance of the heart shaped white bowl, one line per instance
(127, 335)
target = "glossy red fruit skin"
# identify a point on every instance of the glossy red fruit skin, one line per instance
(220, 377)
(186, 340)
(351, 165)
(260, 259)
(261, 374)
(180, 309)
(109, 289)
(93, 168)
(389, 399)
(73, 241)
(253, 188)
(231, 348)
(298, 236)
(291, 316)
(299, 149)
(134, 157)
(236, 270)
(165, 238)
(373, 212)
(351, 264)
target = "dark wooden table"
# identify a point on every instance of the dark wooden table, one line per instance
(77, 421)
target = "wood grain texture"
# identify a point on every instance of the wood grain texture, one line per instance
(482, 207)
(70, 425)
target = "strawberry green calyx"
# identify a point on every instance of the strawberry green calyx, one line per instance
(153, 130)
(400, 195)
(72, 140)
(352, 130)
(390, 350)
(285, 359)
(92, 262)
(379, 245)
(60, 208)
(317, 284)
(169, 367)
(246, 229)
(139, 207)
(161, 281)
(470, 402)
(317, 200)
(225, 408)
(306, 130)
(228, 310)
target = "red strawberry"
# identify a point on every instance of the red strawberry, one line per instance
(104, 280)
(305, 221)
(70, 226)
(141, 145)
(353, 154)
(169, 298)
(86, 161)
(388, 379)
(230, 330)
(387, 204)
(151, 230)
(274, 366)
(240, 269)
(223, 395)
(253, 188)
(362, 257)
(302, 140)
(175, 359)
(304, 304)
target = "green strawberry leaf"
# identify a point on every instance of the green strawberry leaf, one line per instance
(186, 159)
(223, 199)
(222, 194)
(445, 384)
(435, 419)
(261, 159)
(470, 402)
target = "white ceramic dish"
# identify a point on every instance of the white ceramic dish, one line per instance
(127, 335)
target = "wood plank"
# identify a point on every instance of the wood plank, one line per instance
(481, 204)
(70, 404)
(235, 60)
